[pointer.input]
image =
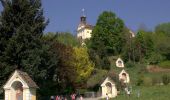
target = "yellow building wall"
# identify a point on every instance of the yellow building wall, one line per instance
(33, 94)
(7, 95)
(33, 97)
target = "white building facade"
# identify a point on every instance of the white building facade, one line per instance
(20, 87)
(108, 88)
(84, 30)
(124, 76)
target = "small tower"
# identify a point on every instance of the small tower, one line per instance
(84, 30)
(83, 17)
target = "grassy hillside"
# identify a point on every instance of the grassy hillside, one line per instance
(151, 87)
(147, 93)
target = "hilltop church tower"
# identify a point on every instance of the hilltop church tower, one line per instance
(84, 30)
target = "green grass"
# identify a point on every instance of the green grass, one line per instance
(150, 92)
(165, 64)
(147, 93)
(140, 70)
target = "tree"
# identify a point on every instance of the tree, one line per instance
(162, 39)
(21, 29)
(163, 28)
(73, 63)
(64, 74)
(67, 39)
(107, 36)
(83, 65)
(144, 45)
(108, 32)
(128, 48)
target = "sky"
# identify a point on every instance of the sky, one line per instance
(64, 15)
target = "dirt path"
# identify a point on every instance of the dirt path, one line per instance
(91, 98)
(152, 68)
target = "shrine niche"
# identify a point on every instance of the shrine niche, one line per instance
(20, 87)
(109, 87)
(119, 63)
(124, 76)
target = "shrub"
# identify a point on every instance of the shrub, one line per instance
(165, 79)
(139, 80)
(143, 80)
(130, 64)
(165, 64)
(155, 58)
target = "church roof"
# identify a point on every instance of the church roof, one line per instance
(89, 26)
(86, 26)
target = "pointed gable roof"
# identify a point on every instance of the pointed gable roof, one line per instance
(108, 79)
(123, 71)
(27, 79)
(127, 76)
(23, 77)
(119, 63)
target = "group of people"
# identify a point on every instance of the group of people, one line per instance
(72, 96)
(58, 98)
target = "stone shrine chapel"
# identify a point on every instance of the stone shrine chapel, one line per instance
(124, 76)
(20, 86)
(109, 88)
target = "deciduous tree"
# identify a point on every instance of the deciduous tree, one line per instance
(107, 36)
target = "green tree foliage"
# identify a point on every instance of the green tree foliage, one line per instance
(162, 46)
(73, 64)
(162, 39)
(149, 47)
(21, 28)
(82, 63)
(68, 39)
(18, 16)
(61, 71)
(66, 73)
(65, 38)
(143, 46)
(108, 34)
(107, 37)
(163, 28)
(128, 48)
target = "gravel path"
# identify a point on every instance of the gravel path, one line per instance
(91, 98)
